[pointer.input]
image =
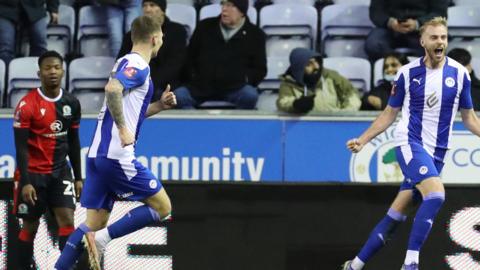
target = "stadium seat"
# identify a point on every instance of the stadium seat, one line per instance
(2, 80)
(378, 71)
(296, 2)
(92, 33)
(352, 2)
(276, 66)
(22, 77)
(60, 36)
(267, 101)
(476, 65)
(279, 46)
(183, 14)
(213, 10)
(183, 2)
(67, 2)
(87, 79)
(357, 70)
(344, 29)
(250, 2)
(290, 20)
(466, 2)
(471, 45)
(464, 21)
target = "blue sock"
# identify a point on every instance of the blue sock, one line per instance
(424, 219)
(73, 249)
(381, 234)
(134, 220)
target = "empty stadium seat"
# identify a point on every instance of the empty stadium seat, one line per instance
(250, 2)
(352, 2)
(213, 10)
(92, 33)
(267, 101)
(2, 80)
(290, 20)
(279, 46)
(344, 29)
(60, 36)
(464, 21)
(466, 2)
(471, 45)
(87, 79)
(476, 65)
(299, 2)
(183, 14)
(276, 66)
(22, 77)
(357, 70)
(183, 2)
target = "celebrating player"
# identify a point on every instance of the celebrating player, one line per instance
(111, 166)
(429, 91)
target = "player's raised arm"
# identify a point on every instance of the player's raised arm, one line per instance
(471, 121)
(383, 121)
(167, 101)
(113, 95)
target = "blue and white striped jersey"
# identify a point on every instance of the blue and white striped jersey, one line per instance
(429, 99)
(134, 74)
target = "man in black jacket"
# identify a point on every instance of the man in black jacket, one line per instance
(166, 67)
(226, 60)
(397, 24)
(31, 14)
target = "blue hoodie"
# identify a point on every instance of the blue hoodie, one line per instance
(299, 58)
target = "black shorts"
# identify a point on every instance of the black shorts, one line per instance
(52, 192)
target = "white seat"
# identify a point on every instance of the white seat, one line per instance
(213, 10)
(344, 29)
(183, 2)
(183, 14)
(250, 2)
(276, 66)
(464, 21)
(60, 36)
(282, 46)
(267, 101)
(357, 70)
(92, 33)
(87, 79)
(290, 20)
(352, 2)
(296, 2)
(2, 80)
(466, 2)
(471, 45)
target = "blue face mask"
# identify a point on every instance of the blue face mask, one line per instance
(389, 77)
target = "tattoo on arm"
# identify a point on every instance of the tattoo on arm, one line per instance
(113, 94)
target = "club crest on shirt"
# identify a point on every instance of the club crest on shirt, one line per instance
(129, 72)
(423, 170)
(450, 82)
(22, 208)
(67, 111)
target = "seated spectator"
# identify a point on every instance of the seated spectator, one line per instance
(120, 15)
(377, 98)
(166, 67)
(397, 24)
(309, 87)
(226, 60)
(31, 16)
(465, 58)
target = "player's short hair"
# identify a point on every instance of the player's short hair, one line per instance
(144, 27)
(433, 22)
(49, 54)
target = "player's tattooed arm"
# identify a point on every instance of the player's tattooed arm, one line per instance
(113, 94)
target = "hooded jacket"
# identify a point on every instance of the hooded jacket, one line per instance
(332, 91)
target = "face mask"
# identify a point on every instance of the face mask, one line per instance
(389, 77)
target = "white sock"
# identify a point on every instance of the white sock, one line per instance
(357, 264)
(412, 257)
(102, 237)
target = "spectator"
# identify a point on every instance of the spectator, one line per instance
(307, 86)
(397, 24)
(377, 99)
(120, 15)
(30, 15)
(465, 58)
(226, 60)
(165, 68)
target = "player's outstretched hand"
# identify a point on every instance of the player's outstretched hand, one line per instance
(354, 145)
(126, 137)
(168, 99)
(29, 194)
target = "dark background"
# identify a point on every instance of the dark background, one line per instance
(251, 226)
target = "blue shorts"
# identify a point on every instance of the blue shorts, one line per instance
(110, 179)
(417, 165)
